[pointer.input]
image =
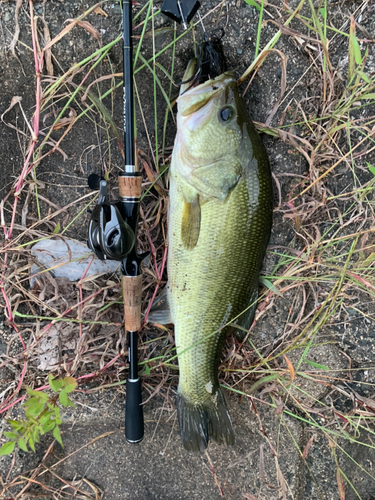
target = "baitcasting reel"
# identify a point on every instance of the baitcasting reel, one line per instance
(110, 237)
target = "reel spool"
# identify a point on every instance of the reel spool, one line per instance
(109, 236)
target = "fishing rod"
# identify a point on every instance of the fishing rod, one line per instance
(113, 225)
(112, 235)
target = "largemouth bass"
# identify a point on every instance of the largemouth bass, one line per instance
(220, 218)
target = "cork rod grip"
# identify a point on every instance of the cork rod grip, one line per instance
(130, 187)
(132, 295)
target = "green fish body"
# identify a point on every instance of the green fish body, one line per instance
(220, 218)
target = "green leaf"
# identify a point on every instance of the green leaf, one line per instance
(56, 229)
(70, 384)
(57, 435)
(35, 434)
(11, 435)
(263, 381)
(364, 77)
(35, 410)
(42, 396)
(316, 365)
(63, 398)
(147, 370)
(357, 51)
(106, 115)
(70, 403)
(48, 426)
(32, 401)
(267, 283)
(55, 384)
(253, 4)
(57, 412)
(45, 418)
(7, 448)
(323, 13)
(21, 443)
(371, 168)
(16, 425)
(31, 392)
(31, 444)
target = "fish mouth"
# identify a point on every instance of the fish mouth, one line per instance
(195, 96)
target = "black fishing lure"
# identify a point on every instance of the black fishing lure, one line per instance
(210, 59)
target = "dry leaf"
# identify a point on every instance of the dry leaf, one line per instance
(152, 177)
(47, 52)
(59, 337)
(90, 28)
(340, 484)
(66, 121)
(17, 100)
(290, 368)
(281, 481)
(102, 78)
(98, 10)
(367, 401)
(284, 61)
(307, 447)
(13, 43)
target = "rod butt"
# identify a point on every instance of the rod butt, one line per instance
(134, 425)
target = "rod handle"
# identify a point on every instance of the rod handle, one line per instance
(134, 425)
(132, 296)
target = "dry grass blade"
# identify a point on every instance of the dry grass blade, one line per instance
(14, 41)
(47, 52)
(340, 484)
(70, 26)
(90, 29)
(307, 447)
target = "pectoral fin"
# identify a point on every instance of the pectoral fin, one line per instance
(191, 223)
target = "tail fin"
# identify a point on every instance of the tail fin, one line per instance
(199, 422)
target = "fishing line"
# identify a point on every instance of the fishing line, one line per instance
(210, 58)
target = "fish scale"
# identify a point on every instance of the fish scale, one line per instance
(215, 278)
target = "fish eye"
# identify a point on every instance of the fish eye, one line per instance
(226, 113)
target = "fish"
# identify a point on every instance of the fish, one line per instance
(219, 224)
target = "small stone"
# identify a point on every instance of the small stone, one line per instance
(239, 51)
(7, 16)
(117, 8)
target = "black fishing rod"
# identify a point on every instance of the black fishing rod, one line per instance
(130, 186)
(112, 235)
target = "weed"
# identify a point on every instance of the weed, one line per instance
(42, 416)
